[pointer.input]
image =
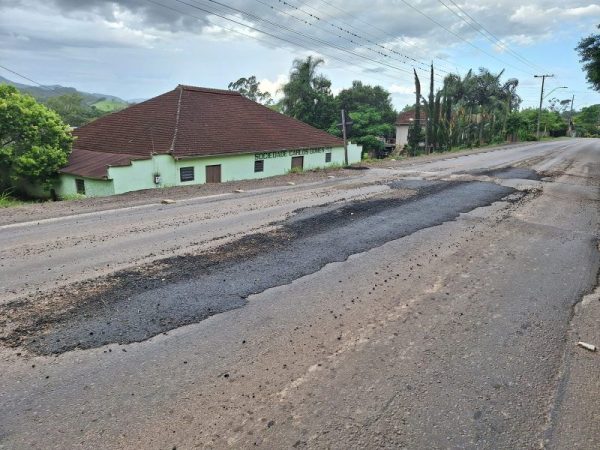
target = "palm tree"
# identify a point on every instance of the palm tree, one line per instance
(307, 95)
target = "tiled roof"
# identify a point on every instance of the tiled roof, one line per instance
(408, 117)
(191, 121)
(94, 164)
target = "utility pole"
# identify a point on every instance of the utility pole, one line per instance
(345, 137)
(571, 128)
(543, 77)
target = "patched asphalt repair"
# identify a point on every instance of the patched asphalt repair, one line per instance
(135, 305)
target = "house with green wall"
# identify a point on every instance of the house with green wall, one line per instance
(193, 135)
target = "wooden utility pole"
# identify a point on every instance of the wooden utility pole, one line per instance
(543, 77)
(345, 137)
(571, 128)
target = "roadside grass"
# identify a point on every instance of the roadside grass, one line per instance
(8, 201)
(69, 197)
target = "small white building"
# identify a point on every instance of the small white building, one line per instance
(403, 123)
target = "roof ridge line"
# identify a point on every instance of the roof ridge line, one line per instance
(172, 149)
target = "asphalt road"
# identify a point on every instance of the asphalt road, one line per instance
(430, 305)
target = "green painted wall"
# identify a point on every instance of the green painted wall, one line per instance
(66, 186)
(140, 174)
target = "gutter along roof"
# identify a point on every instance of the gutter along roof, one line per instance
(188, 122)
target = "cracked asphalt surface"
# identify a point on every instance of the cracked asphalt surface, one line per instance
(433, 305)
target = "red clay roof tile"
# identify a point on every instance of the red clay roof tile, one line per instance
(189, 121)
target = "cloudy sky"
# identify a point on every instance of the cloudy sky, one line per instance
(140, 48)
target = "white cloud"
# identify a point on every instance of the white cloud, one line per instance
(273, 87)
(134, 45)
(399, 89)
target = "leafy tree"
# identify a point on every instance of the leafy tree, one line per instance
(560, 106)
(367, 128)
(361, 95)
(34, 141)
(589, 52)
(587, 121)
(73, 109)
(307, 95)
(250, 88)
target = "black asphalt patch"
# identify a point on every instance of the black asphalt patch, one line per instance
(507, 173)
(134, 305)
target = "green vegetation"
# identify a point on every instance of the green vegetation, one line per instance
(307, 95)
(106, 106)
(7, 201)
(587, 121)
(73, 110)
(72, 197)
(34, 141)
(467, 112)
(589, 53)
(249, 88)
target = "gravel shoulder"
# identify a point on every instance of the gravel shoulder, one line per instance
(46, 210)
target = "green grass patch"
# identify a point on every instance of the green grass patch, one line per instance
(8, 201)
(68, 197)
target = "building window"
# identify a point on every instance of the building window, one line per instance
(327, 157)
(186, 174)
(259, 165)
(80, 186)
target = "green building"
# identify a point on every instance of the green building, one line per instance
(193, 135)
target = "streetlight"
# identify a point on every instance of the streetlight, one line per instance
(560, 87)
(543, 77)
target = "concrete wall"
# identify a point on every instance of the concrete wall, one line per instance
(140, 174)
(66, 186)
(401, 135)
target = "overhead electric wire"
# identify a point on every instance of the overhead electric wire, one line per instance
(498, 40)
(267, 33)
(461, 38)
(25, 78)
(283, 27)
(353, 34)
(492, 39)
(371, 25)
(303, 21)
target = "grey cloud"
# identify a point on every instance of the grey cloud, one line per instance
(378, 21)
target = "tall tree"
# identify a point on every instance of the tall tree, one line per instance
(361, 95)
(250, 88)
(415, 133)
(589, 52)
(34, 141)
(73, 109)
(307, 95)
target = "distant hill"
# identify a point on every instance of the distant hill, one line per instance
(104, 102)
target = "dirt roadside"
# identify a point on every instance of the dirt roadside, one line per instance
(47, 210)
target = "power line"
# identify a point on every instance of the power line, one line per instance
(355, 35)
(283, 27)
(371, 25)
(26, 78)
(489, 36)
(460, 37)
(284, 39)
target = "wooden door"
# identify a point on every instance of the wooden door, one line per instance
(298, 162)
(213, 174)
